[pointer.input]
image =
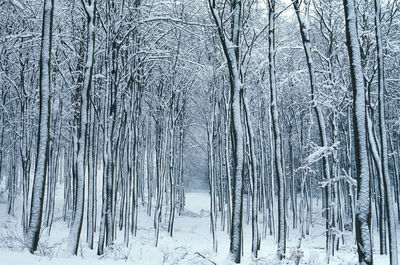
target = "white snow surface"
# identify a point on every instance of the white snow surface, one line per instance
(191, 243)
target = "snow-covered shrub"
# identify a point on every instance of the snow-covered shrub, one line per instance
(296, 255)
(10, 238)
(117, 252)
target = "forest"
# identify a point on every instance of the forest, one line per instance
(199, 132)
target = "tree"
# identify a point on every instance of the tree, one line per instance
(392, 232)
(277, 137)
(305, 36)
(231, 46)
(363, 212)
(33, 231)
(90, 9)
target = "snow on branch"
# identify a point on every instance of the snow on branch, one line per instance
(345, 177)
(318, 154)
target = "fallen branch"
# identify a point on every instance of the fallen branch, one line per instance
(204, 257)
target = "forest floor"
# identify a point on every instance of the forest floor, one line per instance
(191, 243)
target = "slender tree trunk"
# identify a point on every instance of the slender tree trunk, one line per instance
(384, 155)
(380, 195)
(255, 242)
(91, 179)
(278, 164)
(227, 166)
(32, 235)
(238, 154)
(304, 30)
(211, 177)
(231, 51)
(84, 106)
(363, 211)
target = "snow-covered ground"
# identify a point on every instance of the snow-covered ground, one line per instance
(191, 243)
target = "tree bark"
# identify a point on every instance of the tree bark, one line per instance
(33, 231)
(305, 36)
(231, 51)
(84, 107)
(383, 138)
(363, 211)
(276, 134)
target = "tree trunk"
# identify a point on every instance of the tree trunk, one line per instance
(255, 242)
(84, 106)
(363, 211)
(276, 133)
(32, 235)
(384, 148)
(231, 51)
(305, 35)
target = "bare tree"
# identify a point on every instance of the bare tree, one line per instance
(383, 138)
(363, 212)
(33, 231)
(231, 46)
(277, 137)
(90, 9)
